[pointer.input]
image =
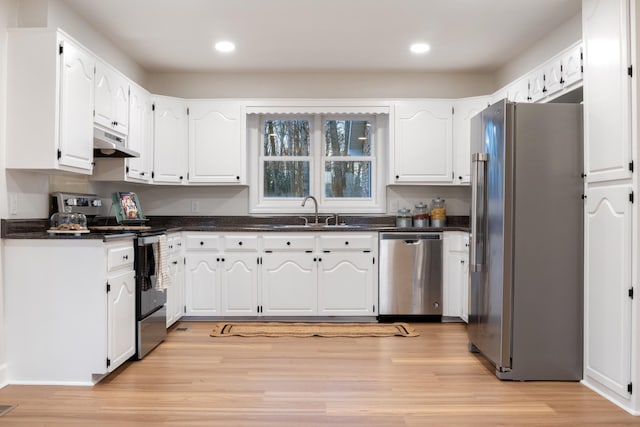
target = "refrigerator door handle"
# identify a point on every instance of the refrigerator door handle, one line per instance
(477, 160)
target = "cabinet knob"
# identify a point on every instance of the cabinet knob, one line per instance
(346, 243)
(222, 259)
(218, 259)
(397, 176)
(180, 177)
(174, 262)
(315, 259)
(201, 243)
(239, 243)
(238, 178)
(319, 259)
(460, 178)
(125, 257)
(288, 243)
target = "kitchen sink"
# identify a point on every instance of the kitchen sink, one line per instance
(314, 226)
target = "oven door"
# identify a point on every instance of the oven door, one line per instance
(148, 298)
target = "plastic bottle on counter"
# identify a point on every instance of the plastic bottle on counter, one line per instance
(421, 215)
(403, 218)
(438, 213)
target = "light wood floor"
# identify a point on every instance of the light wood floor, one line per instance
(193, 379)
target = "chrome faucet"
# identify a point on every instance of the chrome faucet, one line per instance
(315, 203)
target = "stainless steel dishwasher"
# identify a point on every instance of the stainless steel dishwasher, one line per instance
(410, 275)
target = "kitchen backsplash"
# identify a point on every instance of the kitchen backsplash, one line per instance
(31, 193)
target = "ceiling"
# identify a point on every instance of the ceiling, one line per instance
(324, 35)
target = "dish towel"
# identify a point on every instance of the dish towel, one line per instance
(164, 275)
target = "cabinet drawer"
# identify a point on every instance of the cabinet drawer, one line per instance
(347, 242)
(174, 244)
(120, 258)
(203, 242)
(457, 241)
(241, 243)
(287, 243)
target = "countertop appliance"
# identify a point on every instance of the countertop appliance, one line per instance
(525, 313)
(410, 276)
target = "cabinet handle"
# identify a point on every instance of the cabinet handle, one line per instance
(174, 262)
(125, 257)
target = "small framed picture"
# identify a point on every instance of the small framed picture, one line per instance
(127, 207)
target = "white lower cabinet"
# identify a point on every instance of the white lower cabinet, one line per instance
(240, 284)
(281, 274)
(175, 292)
(456, 275)
(346, 284)
(289, 284)
(78, 330)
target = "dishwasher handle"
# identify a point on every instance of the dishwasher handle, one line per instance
(412, 242)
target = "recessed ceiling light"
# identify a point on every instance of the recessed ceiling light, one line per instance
(420, 48)
(225, 46)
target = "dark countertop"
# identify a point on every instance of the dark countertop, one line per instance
(37, 228)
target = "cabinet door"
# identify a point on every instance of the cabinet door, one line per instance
(140, 137)
(607, 96)
(111, 99)
(607, 282)
(76, 108)
(175, 292)
(346, 284)
(202, 287)
(240, 284)
(572, 66)
(463, 111)
(170, 141)
(289, 284)
(537, 84)
(216, 151)
(422, 147)
(518, 91)
(553, 74)
(121, 318)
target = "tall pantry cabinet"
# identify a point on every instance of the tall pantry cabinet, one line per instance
(611, 322)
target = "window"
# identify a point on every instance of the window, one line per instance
(334, 158)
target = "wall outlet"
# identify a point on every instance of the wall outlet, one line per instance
(13, 204)
(195, 206)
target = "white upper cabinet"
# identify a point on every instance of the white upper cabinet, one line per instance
(421, 151)
(140, 137)
(217, 151)
(111, 99)
(50, 97)
(518, 91)
(170, 141)
(464, 110)
(572, 65)
(607, 96)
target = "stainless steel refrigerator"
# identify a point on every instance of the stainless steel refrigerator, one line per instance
(526, 268)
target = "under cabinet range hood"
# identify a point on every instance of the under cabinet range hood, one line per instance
(107, 144)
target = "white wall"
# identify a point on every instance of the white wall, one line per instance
(560, 38)
(321, 85)
(7, 19)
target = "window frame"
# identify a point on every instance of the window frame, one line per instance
(258, 204)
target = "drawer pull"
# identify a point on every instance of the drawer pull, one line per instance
(125, 257)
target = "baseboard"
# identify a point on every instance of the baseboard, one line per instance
(610, 396)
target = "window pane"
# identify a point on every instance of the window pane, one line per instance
(286, 179)
(347, 179)
(286, 138)
(347, 138)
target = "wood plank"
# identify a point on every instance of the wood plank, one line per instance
(194, 379)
